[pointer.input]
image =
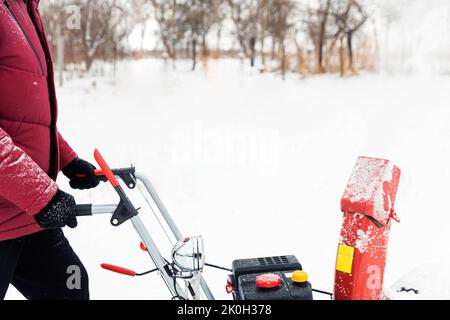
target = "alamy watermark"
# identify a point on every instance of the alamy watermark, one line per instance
(73, 14)
(254, 148)
(374, 278)
(73, 20)
(74, 279)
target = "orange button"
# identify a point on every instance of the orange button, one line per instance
(299, 276)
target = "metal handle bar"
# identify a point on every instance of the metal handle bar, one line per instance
(83, 210)
(124, 174)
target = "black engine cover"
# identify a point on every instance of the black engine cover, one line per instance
(245, 272)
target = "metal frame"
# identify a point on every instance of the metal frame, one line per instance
(153, 251)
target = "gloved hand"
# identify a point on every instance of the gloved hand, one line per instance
(58, 213)
(81, 174)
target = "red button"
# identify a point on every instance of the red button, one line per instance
(268, 281)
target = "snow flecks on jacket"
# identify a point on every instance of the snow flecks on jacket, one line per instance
(23, 182)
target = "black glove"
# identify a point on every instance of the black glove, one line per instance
(81, 174)
(58, 213)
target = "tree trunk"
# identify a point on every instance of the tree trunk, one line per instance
(194, 54)
(263, 56)
(143, 31)
(60, 54)
(252, 51)
(320, 45)
(262, 35)
(320, 68)
(273, 53)
(205, 50)
(322, 34)
(342, 58)
(219, 38)
(283, 59)
(350, 50)
(88, 61)
(114, 59)
(300, 58)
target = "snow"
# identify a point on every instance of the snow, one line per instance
(363, 240)
(426, 282)
(257, 165)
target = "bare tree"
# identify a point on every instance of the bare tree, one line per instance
(54, 17)
(95, 32)
(142, 11)
(349, 17)
(221, 15)
(317, 24)
(280, 24)
(334, 22)
(244, 14)
(96, 37)
(264, 7)
(170, 17)
(325, 33)
(356, 19)
(200, 17)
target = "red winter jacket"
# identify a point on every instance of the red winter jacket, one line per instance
(32, 152)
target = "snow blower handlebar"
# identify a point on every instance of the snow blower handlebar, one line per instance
(125, 174)
(125, 211)
(118, 269)
(106, 170)
(83, 210)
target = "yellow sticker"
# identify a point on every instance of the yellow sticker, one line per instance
(344, 261)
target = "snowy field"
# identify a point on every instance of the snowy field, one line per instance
(257, 166)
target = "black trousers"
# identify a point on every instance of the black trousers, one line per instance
(43, 266)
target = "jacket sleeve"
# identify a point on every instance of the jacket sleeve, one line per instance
(22, 181)
(66, 153)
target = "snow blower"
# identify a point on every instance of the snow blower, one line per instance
(264, 278)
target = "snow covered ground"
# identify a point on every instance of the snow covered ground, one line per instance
(257, 165)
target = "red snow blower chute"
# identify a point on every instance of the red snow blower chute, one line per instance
(368, 207)
(265, 278)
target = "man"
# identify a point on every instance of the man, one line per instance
(35, 257)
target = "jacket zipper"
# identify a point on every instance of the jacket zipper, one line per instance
(26, 37)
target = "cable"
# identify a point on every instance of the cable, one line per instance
(324, 292)
(175, 276)
(217, 267)
(147, 272)
(141, 191)
(177, 295)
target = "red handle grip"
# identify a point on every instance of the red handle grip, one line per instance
(105, 169)
(118, 269)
